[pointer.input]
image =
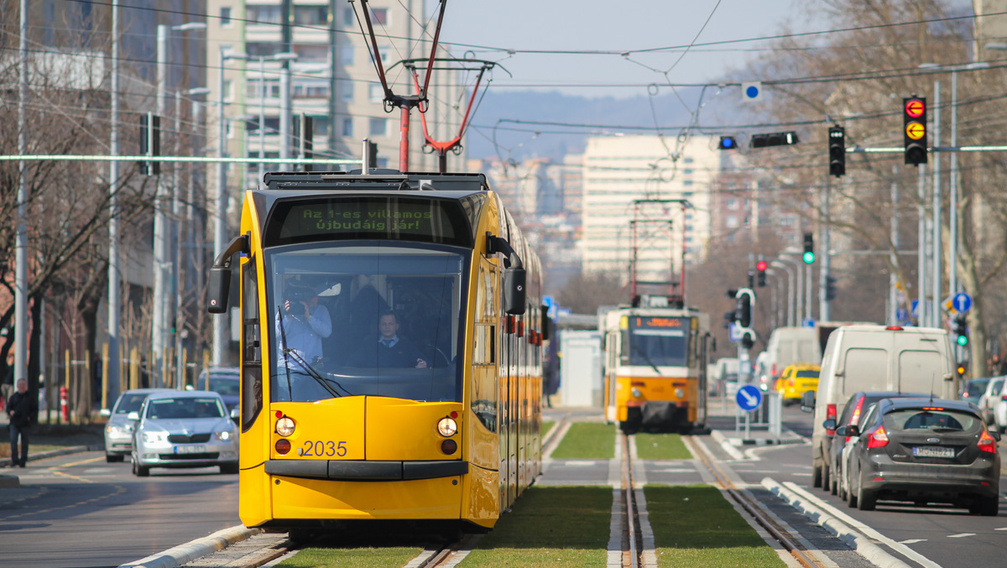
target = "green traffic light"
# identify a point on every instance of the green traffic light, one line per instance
(809, 257)
(963, 340)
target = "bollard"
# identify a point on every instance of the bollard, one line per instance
(64, 404)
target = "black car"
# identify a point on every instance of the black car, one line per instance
(924, 450)
(854, 410)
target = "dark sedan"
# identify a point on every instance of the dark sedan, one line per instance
(924, 451)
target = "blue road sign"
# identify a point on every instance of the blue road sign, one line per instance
(902, 315)
(734, 331)
(749, 397)
(916, 308)
(962, 302)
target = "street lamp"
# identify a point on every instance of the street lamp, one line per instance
(161, 313)
(284, 104)
(220, 323)
(953, 199)
(791, 311)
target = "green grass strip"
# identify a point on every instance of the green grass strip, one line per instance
(587, 441)
(661, 447)
(565, 527)
(546, 426)
(393, 557)
(695, 526)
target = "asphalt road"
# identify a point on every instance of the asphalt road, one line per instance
(79, 511)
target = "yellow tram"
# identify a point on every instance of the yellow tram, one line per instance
(656, 373)
(342, 420)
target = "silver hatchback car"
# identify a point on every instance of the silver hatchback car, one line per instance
(184, 429)
(119, 429)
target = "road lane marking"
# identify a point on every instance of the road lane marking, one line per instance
(118, 490)
(961, 535)
(912, 541)
(80, 462)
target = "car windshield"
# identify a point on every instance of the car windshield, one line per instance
(130, 403)
(975, 388)
(384, 319)
(807, 374)
(933, 418)
(226, 384)
(187, 407)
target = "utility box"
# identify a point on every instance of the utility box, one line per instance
(580, 368)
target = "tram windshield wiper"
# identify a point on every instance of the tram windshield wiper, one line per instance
(314, 374)
(646, 358)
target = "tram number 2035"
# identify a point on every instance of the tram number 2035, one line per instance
(322, 449)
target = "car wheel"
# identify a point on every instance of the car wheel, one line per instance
(816, 476)
(833, 481)
(826, 478)
(112, 458)
(865, 499)
(841, 490)
(139, 470)
(985, 507)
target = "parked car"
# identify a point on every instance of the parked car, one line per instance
(225, 381)
(1000, 408)
(795, 380)
(856, 409)
(989, 398)
(182, 429)
(119, 429)
(923, 450)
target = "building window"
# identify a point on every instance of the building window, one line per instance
(228, 95)
(346, 91)
(347, 55)
(384, 50)
(263, 48)
(311, 15)
(731, 222)
(349, 18)
(347, 127)
(378, 127)
(311, 52)
(379, 16)
(263, 14)
(225, 16)
(731, 203)
(376, 93)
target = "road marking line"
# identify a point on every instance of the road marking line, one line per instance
(912, 541)
(80, 462)
(961, 535)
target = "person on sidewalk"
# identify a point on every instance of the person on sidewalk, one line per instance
(21, 408)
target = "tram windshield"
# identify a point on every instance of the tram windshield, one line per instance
(378, 319)
(657, 341)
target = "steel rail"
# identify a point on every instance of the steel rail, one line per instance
(630, 517)
(777, 532)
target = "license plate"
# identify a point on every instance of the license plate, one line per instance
(190, 449)
(933, 452)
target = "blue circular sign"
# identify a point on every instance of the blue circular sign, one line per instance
(749, 397)
(752, 92)
(962, 302)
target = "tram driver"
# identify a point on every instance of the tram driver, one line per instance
(301, 324)
(388, 349)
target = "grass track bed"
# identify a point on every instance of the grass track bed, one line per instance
(587, 440)
(661, 447)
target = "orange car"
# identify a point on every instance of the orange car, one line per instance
(796, 380)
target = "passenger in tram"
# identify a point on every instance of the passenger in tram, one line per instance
(388, 349)
(301, 324)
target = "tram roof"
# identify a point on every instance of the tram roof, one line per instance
(451, 185)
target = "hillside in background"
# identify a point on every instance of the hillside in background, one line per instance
(523, 124)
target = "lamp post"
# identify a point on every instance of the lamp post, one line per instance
(220, 323)
(798, 292)
(790, 290)
(181, 231)
(953, 190)
(162, 265)
(284, 56)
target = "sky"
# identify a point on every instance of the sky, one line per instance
(614, 27)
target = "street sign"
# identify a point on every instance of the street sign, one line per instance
(808, 322)
(962, 302)
(916, 308)
(749, 397)
(734, 331)
(902, 315)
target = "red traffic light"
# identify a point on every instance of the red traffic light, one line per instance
(915, 107)
(761, 266)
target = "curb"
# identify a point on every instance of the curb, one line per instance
(184, 553)
(6, 462)
(767, 441)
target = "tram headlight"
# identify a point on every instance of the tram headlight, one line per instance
(679, 393)
(285, 426)
(447, 427)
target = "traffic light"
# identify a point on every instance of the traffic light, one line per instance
(150, 143)
(760, 268)
(837, 151)
(747, 338)
(746, 300)
(727, 143)
(961, 329)
(914, 123)
(830, 288)
(773, 139)
(962, 368)
(809, 248)
(751, 279)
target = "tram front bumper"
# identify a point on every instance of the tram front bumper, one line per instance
(657, 412)
(361, 470)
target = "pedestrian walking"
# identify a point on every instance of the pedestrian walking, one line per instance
(21, 409)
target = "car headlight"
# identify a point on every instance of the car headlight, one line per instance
(223, 436)
(154, 438)
(113, 430)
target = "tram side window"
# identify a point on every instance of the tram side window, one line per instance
(251, 384)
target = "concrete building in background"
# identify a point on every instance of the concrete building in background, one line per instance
(620, 170)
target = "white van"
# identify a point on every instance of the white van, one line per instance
(874, 358)
(787, 346)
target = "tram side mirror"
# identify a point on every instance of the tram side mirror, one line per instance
(514, 291)
(218, 286)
